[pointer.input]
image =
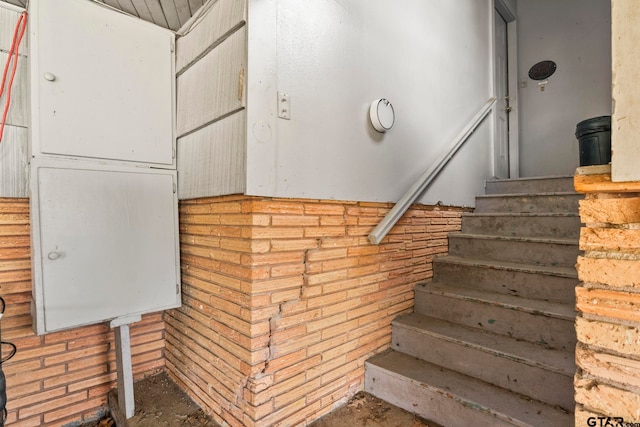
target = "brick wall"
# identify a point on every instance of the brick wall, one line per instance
(607, 381)
(61, 377)
(284, 300)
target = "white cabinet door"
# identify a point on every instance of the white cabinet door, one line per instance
(105, 242)
(102, 84)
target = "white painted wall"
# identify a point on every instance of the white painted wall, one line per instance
(14, 143)
(576, 34)
(430, 58)
(626, 91)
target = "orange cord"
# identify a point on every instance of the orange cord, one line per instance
(21, 26)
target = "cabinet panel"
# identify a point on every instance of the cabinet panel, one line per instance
(105, 242)
(102, 84)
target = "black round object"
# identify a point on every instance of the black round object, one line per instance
(542, 70)
(594, 138)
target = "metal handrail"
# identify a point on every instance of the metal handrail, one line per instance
(392, 217)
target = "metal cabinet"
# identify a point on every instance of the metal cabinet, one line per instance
(104, 209)
(104, 242)
(102, 84)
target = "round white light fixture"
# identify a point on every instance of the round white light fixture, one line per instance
(382, 115)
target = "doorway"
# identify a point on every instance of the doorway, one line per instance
(505, 152)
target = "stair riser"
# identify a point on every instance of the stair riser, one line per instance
(532, 381)
(429, 402)
(526, 285)
(554, 332)
(529, 204)
(558, 227)
(547, 185)
(536, 253)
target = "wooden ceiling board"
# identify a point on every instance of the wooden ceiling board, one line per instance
(194, 5)
(172, 14)
(184, 11)
(127, 6)
(20, 3)
(143, 10)
(157, 14)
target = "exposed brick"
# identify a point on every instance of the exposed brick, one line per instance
(616, 273)
(619, 338)
(609, 368)
(308, 326)
(610, 240)
(613, 304)
(606, 399)
(612, 211)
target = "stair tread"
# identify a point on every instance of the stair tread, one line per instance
(530, 178)
(470, 392)
(522, 214)
(555, 240)
(511, 266)
(546, 308)
(502, 346)
(540, 194)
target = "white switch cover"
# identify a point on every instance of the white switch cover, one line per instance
(284, 106)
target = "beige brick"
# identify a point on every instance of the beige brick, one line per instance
(246, 220)
(272, 419)
(273, 233)
(51, 404)
(288, 270)
(323, 209)
(327, 322)
(584, 417)
(610, 240)
(273, 258)
(300, 416)
(624, 339)
(297, 368)
(330, 221)
(606, 399)
(295, 393)
(94, 405)
(272, 207)
(338, 264)
(294, 344)
(612, 272)
(35, 375)
(295, 220)
(326, 299)
(610, 368)
(332, 276)
(612, 211)
(293, 245)
(613, 304)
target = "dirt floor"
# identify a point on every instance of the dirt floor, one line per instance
(160, 402)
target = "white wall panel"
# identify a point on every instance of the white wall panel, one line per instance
(430, 58)
(13, 162)
(14, 144)
(18, 110)
(222, 18)
(213, 86)
(211, 161)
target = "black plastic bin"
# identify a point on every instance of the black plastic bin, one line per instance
(594, 138)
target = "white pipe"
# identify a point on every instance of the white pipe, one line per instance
(378, 233)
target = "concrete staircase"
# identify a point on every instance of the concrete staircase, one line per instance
(492, 338)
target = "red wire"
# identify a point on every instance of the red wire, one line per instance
(13, 54)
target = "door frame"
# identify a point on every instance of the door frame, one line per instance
(509, 15)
